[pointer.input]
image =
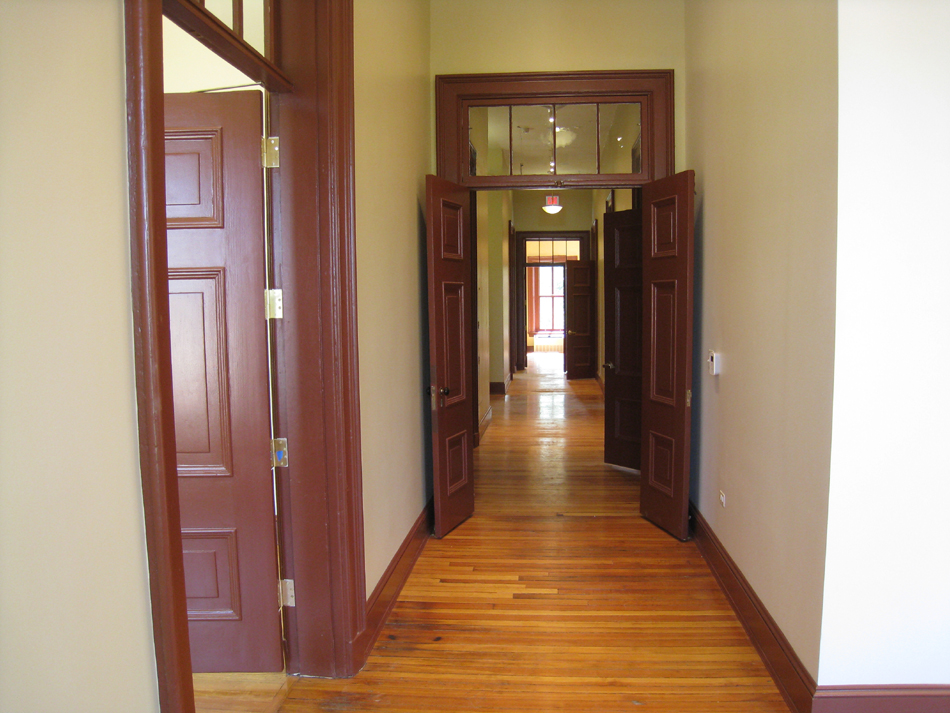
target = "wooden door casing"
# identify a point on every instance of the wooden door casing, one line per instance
(623, 336)
(667, 351)
(450, 352)
(580, 341)
(214, 196)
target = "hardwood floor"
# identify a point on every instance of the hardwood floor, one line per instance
(556, 595)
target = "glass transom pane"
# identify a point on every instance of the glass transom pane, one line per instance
(620, 138)
(576, 138)
(221, 9)
(488, 128)
(254, 13)
(532, 140)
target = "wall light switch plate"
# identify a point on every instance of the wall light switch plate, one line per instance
(713, 361)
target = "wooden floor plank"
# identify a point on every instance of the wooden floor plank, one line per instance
(556, 595)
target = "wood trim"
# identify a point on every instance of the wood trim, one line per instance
(795, 683)
(220, 39)
(484, 424)
(500, 388)
(381, 602)
(152, 345)
(882, 699)
(653, 87)
(318, 392)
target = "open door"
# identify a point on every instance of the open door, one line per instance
(216, 281)
(579, 338)
(667, 351)
(623, 337)
(450, 352)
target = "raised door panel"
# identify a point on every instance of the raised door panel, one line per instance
(218, 330)
(450, 352)
(667, 352)
(200, 365)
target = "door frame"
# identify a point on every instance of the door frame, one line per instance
(317, 369)
(518, 296)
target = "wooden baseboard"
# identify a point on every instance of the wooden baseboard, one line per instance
(381, 602)
(793, 681)
(484, 423)
(500, 387)
(600, 382)
(882, 699)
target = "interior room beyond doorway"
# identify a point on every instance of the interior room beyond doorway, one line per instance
(499, 216)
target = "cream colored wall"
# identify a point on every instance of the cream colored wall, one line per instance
(562, 35)
(762, 136)
(598, 208)
(189, 66)
(74, 600)
(887, 582)
(495, 233)
(392, 148)
(483, 287)
(574, 215)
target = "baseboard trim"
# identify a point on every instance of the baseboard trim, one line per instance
(500, 387)
(484, 424)
(600, 382)
(381, 602)
(793, 681)
(882, 699)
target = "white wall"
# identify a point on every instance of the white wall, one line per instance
(761, 135)
(887, 585)
(74, 602)
(392, 149)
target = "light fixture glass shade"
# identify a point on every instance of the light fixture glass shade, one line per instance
(552, 205)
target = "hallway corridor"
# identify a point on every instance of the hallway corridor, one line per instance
(556, 595)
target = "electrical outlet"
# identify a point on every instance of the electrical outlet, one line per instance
(722, 498)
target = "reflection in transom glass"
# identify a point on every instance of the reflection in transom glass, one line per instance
(532, 140)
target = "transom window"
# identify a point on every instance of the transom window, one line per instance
(555, 139)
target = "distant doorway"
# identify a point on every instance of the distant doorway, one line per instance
(538, 300)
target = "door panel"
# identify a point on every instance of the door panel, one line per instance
(450, 352)
(667, 351)
(623, 337)
(216, 276)
(579, 337)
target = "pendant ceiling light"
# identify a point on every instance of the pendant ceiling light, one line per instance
(552, 205)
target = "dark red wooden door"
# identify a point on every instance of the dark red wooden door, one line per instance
(450, 352)
(214, 196)
(580, 348)
(667, 351)
(623, 337)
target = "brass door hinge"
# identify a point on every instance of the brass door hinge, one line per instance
(270, 151)
(287, 596)
(278, 453)
(274, 304)
(689, 398)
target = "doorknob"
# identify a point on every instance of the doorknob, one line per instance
(608, 365)
(444, 391)
(571, 332)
